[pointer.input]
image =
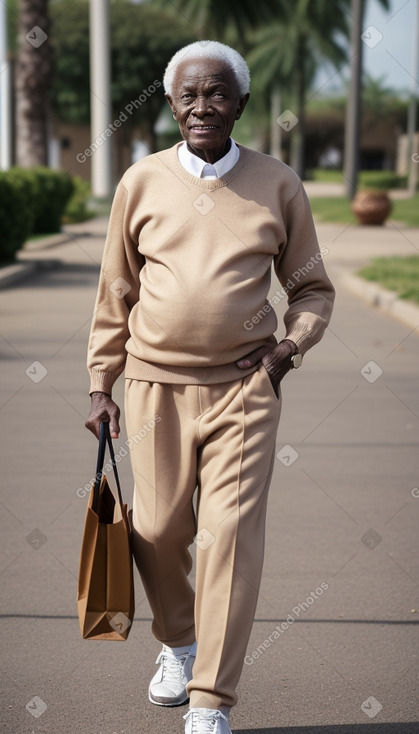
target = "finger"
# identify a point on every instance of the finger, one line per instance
(244, 363)
(93, 427)
(251, 359)
(114, 422)
(114, 428)
(97, 416)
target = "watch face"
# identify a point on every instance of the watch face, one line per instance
(297, 360)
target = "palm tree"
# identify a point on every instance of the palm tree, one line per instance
(354, 106)
(32, 82)
(286, 54)
(214, 18)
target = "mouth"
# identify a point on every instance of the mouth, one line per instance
(203, 127)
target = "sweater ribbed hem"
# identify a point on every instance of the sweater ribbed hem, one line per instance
(137, 369)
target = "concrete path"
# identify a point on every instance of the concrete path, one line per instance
(335, 641)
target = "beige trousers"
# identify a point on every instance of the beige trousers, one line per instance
(220, 441)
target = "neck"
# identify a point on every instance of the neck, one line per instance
(211, 156)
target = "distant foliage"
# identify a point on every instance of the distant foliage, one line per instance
(143, 38)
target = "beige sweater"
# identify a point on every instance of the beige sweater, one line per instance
(187, 269)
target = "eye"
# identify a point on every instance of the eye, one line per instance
(186, 97)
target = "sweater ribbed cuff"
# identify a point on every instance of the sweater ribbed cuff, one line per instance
(102, 381)
(301, 335)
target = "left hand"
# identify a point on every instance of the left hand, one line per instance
(276, 362)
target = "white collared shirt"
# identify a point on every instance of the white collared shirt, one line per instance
(197, 167)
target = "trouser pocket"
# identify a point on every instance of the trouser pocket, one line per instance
(266, 378)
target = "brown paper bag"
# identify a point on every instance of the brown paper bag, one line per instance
(105, 600)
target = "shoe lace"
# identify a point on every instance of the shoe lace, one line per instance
(205, 723)
(172, 666)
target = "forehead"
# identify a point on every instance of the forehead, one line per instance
(204, 71)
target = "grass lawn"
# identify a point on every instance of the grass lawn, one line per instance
(399, 274)
(36, 237)
(332, 209)
(338, 209)
(407, 210)
(331, 175)
(371, 179)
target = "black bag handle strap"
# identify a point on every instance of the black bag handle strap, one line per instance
(105, 438)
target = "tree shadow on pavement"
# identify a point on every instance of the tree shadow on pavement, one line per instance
(394, 728)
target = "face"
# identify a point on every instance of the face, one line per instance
(206, 103)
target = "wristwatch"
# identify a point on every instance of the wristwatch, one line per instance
(296, 360)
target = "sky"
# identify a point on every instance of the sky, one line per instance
(388, 50)
(392, 56)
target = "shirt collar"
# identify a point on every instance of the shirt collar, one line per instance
(195, 165)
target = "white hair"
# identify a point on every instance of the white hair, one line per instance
(209, 50)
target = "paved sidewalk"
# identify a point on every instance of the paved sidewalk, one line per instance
(350, 247)
(334, 645)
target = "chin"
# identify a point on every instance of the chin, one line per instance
(206, 142)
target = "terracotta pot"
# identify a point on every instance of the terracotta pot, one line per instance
(371, 207)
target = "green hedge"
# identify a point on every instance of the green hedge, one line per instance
(54, 191)
(32, 201)
(17, 213)
(77, 207)
(381, 180)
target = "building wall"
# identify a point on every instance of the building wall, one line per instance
(378, 145)
(403, 163)
(73, 150)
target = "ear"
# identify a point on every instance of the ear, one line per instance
(172, 104)
(242, 104)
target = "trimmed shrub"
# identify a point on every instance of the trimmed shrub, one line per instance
(17, 212)
(381, 180)
(26, 180)
(32, 201)
(77, 207)
(54, 191)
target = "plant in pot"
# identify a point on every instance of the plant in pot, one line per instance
(372, 204)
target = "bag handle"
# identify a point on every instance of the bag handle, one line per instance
(104, 438)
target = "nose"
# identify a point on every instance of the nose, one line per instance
(202, 106)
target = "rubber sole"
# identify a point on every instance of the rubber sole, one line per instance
(172, 704)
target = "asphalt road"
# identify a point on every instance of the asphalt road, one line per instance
(340, 584)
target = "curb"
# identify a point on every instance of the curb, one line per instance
(12, 274)
(378, 297)
(51, 240)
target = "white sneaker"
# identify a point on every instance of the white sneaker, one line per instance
(168, 686)
(206, 721)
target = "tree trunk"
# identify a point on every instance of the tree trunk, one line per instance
(148, 135)
(354, 105)
(276, 129)
(32, 82)
(298, 138)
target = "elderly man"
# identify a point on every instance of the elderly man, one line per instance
(182, 308)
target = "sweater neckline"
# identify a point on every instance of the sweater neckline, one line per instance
(202, 183)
